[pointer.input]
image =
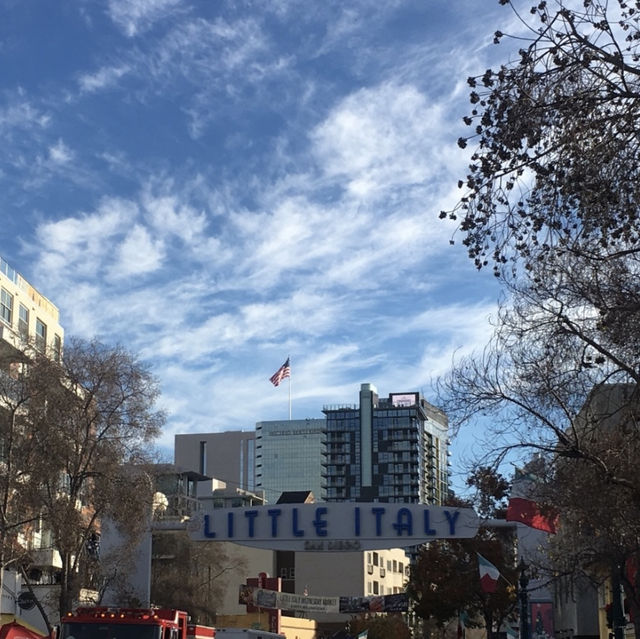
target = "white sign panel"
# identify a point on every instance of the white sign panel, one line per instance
(334, 527)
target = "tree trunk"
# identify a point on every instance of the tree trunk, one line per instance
(66, 594)
(38, 604)
(488, 622)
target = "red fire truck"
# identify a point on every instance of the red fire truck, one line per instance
(131, 623)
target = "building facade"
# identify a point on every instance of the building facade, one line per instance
(289, 457)
(29, 324)
(386, 449)
(229, 456)
(27, 318)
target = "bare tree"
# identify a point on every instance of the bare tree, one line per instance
(192, 575)
(19, 509)
(87, 419)
(445, 580)
(551, 202)
(556, 138)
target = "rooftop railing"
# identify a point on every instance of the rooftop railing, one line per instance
(8, 271)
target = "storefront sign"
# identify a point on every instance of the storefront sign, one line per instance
(305, 603)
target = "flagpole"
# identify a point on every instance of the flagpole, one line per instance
(289, 360)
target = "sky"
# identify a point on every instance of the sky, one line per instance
(217, 186)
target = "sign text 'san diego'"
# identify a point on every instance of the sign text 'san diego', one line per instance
(334, 527)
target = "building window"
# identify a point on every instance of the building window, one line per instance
(23, 321)
(57, 348)
(6, 306)
(376, 588)
(41, 335)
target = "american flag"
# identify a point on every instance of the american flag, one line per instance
(281, 373)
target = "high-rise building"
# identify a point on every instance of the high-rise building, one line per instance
(289, 457)
(386, 449)
(229, 456)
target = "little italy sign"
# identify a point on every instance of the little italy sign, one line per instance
(334, 527)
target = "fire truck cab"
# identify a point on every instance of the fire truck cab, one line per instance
(130, 623)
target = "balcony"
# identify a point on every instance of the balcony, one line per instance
(335, 407)
(10, 341)
(46, 558)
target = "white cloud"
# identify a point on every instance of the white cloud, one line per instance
(298, 314)
(168, 216)
(319, 238)
(211, 49)
(382, 138)
(60, 153)
(81, 313)
(22, 114)
(80, 244)
(134, 16)
(137, 254)
(103, 78)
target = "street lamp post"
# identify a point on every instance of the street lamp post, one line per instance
(523, 596)
(617, 609)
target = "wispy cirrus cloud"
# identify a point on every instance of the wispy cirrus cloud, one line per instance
(381, 138)
(139, 253)
(136, 16)
(257, 183)
(21, 114)
(79, 244)
(103, 78)
(60, 153)
(168, 215)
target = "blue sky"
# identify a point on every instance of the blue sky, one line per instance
(218, 185)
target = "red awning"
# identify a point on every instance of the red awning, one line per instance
(14, 630)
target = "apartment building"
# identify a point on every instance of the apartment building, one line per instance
(27, 318)
(386, 449)
(29, 323)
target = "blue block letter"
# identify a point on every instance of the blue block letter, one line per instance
(274, 513)
(404, 522)
(209, 534)
(319, 523)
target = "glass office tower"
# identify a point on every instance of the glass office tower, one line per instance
(289, 456)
